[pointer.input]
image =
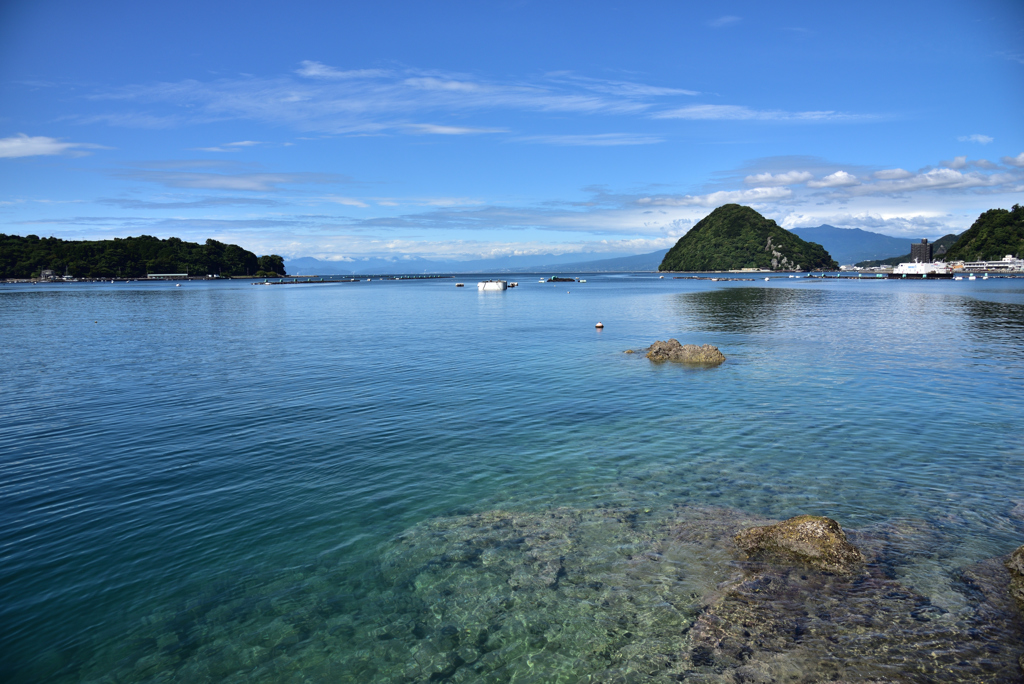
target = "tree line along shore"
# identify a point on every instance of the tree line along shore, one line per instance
(131, 257)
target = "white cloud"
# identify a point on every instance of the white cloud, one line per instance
(1015, 161)
(771, 180)
(839, 179)
(708, 112)
(892, 174)
(22, 145)
(955, 163)
(727, 20)
(977, 137)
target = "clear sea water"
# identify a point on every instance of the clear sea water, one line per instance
(213, 482)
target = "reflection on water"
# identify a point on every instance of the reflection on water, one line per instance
(748, 309)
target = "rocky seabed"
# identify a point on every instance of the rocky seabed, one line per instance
(603, 594)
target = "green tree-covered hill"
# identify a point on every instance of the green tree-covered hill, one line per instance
(131, 257)
(995, 234)
(734, 236)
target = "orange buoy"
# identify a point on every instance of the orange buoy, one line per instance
(599, 325)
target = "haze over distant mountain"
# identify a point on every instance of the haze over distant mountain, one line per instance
(510, 264)
(850, 245)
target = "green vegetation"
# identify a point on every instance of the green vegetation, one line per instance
(131, 257)
(733, 237)
(939, 250)
(995, 234)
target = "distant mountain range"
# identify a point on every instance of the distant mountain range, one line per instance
(845, 245)
(850, 245)
(511, 264)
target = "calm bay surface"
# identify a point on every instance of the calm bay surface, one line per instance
(207, 482)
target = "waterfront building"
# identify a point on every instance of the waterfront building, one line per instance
(921, 253)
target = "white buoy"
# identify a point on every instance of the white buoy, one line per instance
(599, 325)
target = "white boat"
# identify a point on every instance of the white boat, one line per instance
(972, 277)
(958, 277)
(492, 285)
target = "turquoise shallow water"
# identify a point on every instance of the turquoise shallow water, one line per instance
(221, 482)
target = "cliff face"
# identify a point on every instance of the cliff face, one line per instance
(734, 236)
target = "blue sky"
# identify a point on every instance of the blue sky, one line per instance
(465, 130)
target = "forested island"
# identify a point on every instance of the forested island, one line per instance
(130, 257)
(734, 237)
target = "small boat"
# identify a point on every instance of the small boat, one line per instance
(958, 277)
(972, 277)
(492, 285)
(460, 285)
(582, 281)
(542, 281)
(984, 277)
(766, 279)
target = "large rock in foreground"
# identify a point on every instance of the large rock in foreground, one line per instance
(1015, 564)
(811, 540)
(685, 353)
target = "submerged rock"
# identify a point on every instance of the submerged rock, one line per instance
(672, 350)
(812, 540)
(1015, 564)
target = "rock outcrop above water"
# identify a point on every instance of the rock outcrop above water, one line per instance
(807, 539)
(672, 350)
(1015, 564)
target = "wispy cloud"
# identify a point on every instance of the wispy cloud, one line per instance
(22, 145)
(434, 129)
(723, 21)
(311, 69)
(594, 140)
(325, 99)
(202, 203)
(715, 199)
(710, 112)
(347, 201)
(977, 138)
(245, 182)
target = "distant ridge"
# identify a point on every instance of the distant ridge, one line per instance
(850, 245)
(510, 264)
(734, 236)
(939, 248)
